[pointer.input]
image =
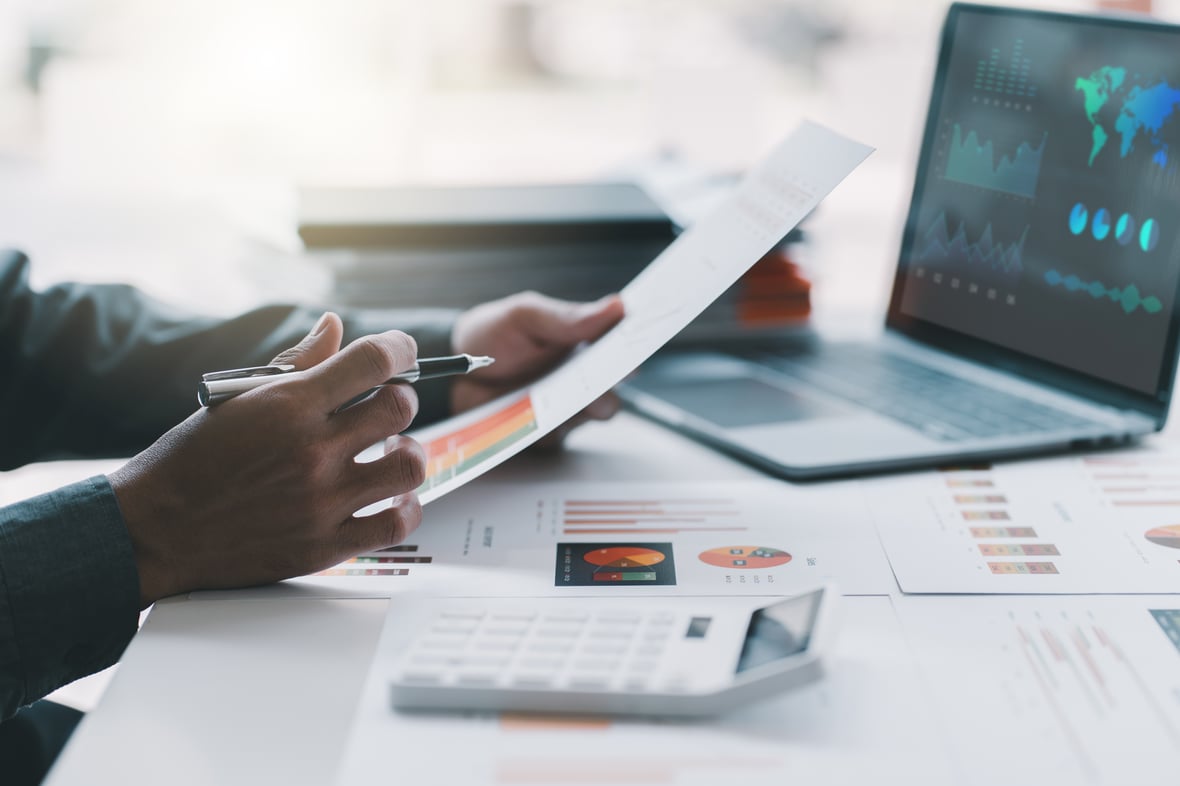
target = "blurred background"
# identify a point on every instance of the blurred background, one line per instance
(161, 143)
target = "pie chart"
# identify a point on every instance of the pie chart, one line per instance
(1124, 230)
(747, 557)
(1078, 218)
(1165, 536)
(623, 557)
(1101, 225)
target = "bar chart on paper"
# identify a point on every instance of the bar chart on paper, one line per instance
(452, 454)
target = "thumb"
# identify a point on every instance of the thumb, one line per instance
(317, 346)
(570, 324)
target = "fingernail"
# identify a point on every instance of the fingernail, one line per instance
(320, 324)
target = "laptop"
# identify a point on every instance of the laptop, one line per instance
(1034, 307)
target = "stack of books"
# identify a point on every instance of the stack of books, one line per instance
(458, 247)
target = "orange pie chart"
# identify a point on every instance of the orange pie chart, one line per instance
(745, 557)
(1165, 536)
(624, 557)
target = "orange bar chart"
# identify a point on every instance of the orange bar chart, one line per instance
(454, 453)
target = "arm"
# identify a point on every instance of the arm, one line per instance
(104, 370)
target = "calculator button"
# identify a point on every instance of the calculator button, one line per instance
(649, 650)
(454, 627)
(551, 646)
(557, 633)
(477, 678)
(604, 649)
(595, 664)
(496, 645)
(642, 666)
(540, 664)
(634, 684)
(504, 630)
(589, 683)
(611, 633)
(533, 681)
(662, 618)
(489, 661)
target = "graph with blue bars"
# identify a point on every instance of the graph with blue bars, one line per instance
(1128, 297)
(970, 162)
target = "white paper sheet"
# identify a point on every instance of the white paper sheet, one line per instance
(715, 539)
(869, 721)
(1077, 690)
(1108, 523)
(675, 288)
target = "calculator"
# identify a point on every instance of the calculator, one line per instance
(660, 656)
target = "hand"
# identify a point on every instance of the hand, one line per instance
(529, 334)
(264, 486)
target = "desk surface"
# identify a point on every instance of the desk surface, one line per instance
(262, 691)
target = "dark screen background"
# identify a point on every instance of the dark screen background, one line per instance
(1018, 274)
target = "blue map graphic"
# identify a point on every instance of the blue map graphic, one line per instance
(1145, 110)
(1129, 297)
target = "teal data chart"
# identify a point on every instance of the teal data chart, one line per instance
(981, 252)
(1145, 106)
(1129, 298)
(974, 162)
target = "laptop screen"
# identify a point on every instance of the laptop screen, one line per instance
(1046, 216)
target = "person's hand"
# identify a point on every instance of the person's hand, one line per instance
(264, 486)
(529, 334)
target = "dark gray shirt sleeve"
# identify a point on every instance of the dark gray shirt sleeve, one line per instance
(69, 591)
(104, 371)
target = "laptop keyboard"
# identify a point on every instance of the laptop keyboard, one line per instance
(939, 405)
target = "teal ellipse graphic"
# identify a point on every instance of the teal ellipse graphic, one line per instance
(1078, 217)
(1101, 225)
(1149, 235)
(1124, 230)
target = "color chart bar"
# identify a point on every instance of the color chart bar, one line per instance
(1022, 568)
(364, 572)
(1003, 532)
(969, 483)
(455, 453)
(980, 499)
(393, 560)
(986, 515)
(649, 516)
(1018, 550)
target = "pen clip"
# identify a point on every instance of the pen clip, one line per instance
(249, 371)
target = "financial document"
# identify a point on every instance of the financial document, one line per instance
(1077, 690)
(673, 290)
(1106, 523)
(585, 539)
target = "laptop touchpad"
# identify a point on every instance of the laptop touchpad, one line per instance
(737, 401)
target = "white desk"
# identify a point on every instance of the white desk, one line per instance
(264, 691)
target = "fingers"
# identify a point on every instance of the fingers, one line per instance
(566, 324)
(317, 346)
(401, 470)
(390, 410)
(388, 527)
(364, 363)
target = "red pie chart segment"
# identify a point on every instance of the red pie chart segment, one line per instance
(624, 557)
(745, 557)
(1165, 536)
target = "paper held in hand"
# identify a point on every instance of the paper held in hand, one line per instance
(673, 290)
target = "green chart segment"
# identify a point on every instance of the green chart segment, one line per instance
(1129, 298)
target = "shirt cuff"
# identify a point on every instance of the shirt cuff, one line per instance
(69, 590)
(431, 329)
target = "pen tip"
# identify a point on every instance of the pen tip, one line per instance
(482, 361)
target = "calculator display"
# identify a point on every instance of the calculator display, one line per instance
(779, 631)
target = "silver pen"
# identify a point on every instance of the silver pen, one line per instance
(219, 386)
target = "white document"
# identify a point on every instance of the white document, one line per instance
(674, 289)
(869, 721)
(1108, 523)
(1077, 690)
(621, 539)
